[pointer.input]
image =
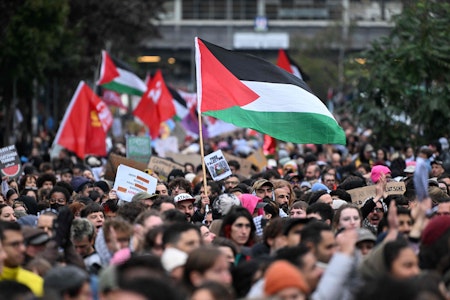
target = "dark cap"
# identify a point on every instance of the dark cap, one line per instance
(34, 236)
(143, 196)
(67, 170)
(103, 185)
(78, 182)
(65, 278)
(260, 183)
(261, 204)
(437, 162)
(292, 222)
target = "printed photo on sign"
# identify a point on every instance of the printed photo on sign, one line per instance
(217, 165)
(130, 181)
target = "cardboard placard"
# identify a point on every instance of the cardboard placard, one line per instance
(115, 160)
(139, 148)
(180, 158)
(163, 146)
(258, 159)
(217, 165)
(246, 166)
(163, 166)
(359, 195)
(130, 181)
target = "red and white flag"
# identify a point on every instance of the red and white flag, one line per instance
(156, 105)
(85, 124)
(113, 98)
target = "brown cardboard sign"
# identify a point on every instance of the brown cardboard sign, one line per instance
(115, 160)
(194, 159)
(361, 194)
(246, 166)
(258, 159)
(163, 166)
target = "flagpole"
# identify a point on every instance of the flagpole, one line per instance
(202, 151)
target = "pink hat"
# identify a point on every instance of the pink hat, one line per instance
(377, 171)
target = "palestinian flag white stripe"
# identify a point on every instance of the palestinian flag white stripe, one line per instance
(129, 79)
(271, 93)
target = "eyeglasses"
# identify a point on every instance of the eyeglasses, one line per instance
(377, 209)
(58, 200)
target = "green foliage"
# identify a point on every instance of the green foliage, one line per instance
(317, 60)
(30, 35)
(57, 43)
(403, 88)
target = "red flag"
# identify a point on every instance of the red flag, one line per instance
(112, 98)
(286, 63)
(156, 105)
(85, 124)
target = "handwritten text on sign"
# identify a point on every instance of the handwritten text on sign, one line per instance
(130, 181)
(361, 194)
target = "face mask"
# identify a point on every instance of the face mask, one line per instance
(55, 206)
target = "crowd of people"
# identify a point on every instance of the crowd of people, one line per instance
(288, 231)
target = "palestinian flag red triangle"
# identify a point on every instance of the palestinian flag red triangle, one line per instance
(108, 69)
(226, 89)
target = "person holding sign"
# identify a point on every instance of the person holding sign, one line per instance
(374, 208)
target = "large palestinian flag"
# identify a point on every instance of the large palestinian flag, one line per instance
(118, 78)
(250, 92)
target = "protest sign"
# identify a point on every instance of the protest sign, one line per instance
(361, 194)
(180, 158)
(139, 148)
(258, 159)
(217, 165)
(115, 160)
(130, 181)
(163, 166)
(169, 144)
(246, 166)
(9, 161)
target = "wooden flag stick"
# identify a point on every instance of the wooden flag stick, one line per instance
(202, 152)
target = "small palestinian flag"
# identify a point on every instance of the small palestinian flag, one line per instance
(118, 78)
(285, 62)
(250, 92)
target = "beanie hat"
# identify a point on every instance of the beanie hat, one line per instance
(319, 187)
(78, 182)
(437, 226)
(376, 172)
(282, 274)
(103, 185)
(173, 258)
